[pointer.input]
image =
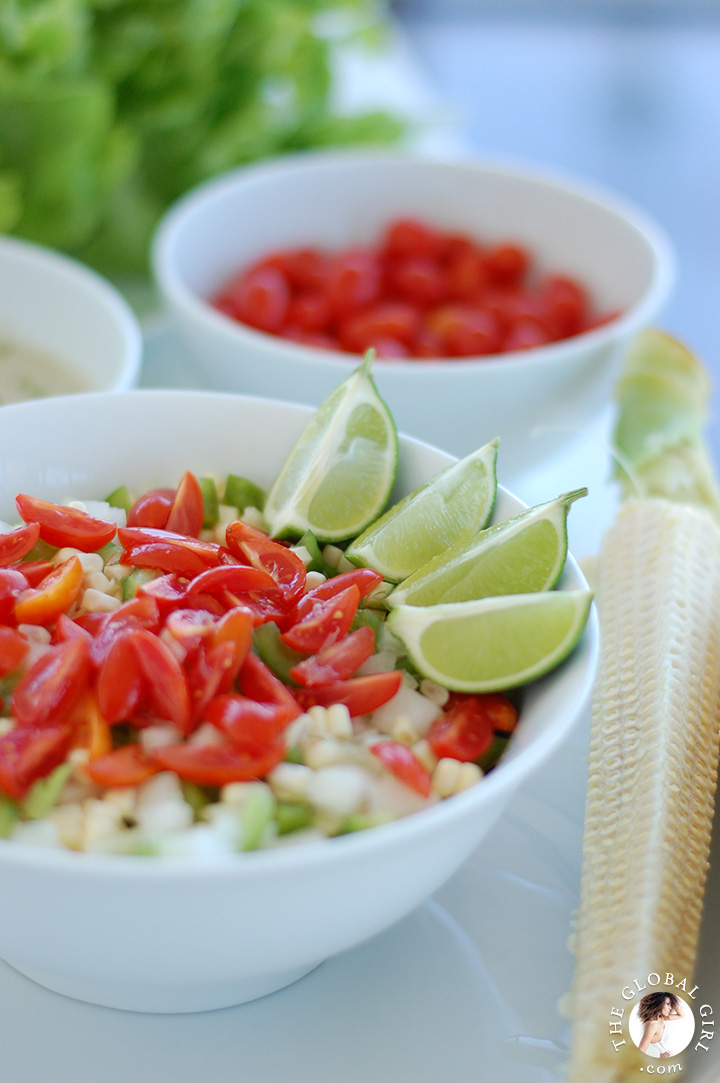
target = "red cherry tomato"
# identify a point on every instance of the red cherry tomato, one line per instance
(328, 620)
(354, 281)
(361, 695)
(466, 275)
(404, 764)
(219, 764)
(465, 731)
(34, 570)
(120, 684)
(13, 648)
(16, 544)
(418, 279)
(338, 661)
(166, 688)
(187, 511)
(126, 766)
(165, 557)
(365, 579)
(50, 689)
(260, 297)
(396, 320)
(507, 264)
(408, 237)
(131, 537)
(247, 721)
(63, 526)
(237, 578)
(309, 311)
(167, 591)
(251, 545)
(12, 585)
(28, 753)
(152, 509)
(258, 682)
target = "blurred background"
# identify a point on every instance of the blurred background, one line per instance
(109, 109)
(623, 92)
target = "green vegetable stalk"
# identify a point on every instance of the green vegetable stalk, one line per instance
(111, 109)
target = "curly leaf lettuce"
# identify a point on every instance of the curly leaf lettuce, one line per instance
(111, 109)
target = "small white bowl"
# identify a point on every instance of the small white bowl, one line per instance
(535, 400)
(55, 306)
(189, 934)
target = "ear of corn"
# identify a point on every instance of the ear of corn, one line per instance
(652, 768)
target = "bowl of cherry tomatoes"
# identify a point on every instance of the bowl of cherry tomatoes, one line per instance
(162, 924)
(497, 297)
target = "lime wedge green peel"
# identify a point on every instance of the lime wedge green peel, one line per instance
(338, 477)
(449, 507)
(493, 643)
(517, 556)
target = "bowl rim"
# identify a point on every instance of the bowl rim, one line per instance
(310, 854)
(172, 285)
(96, 288)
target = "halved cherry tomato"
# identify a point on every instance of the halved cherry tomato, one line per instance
(189, 626)
(62, 526)
(140, 612)
(28, 753)
(53, 685)
(90, 728)
(365, 579)
(167, 590)
(13, 648)
(166, 687)
(187, 511)
(361, 695)
(245, 720)
(258, 682)
(404, 764)
(218, 764)
(152, 509)
(209, 672)
(54, 595)
(236, 627)
(34, 570)
(126, 766)
(16, 544)
(233, 577)
(120, 683)
(262, 552)
(264, 605)
(328, 620)
(66, 628)
(215, 667)
(130, 537)
(166, 557)
(338, 661)
(465, 731)
(12, 585)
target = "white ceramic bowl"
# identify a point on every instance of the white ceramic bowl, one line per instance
(534, 400)
(55, 305)
(182, 934)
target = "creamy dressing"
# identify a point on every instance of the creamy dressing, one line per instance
(30, 373)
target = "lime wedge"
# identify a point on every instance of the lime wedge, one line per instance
(449, 507)
(493, 643)
(517, 556)
(338, 477)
